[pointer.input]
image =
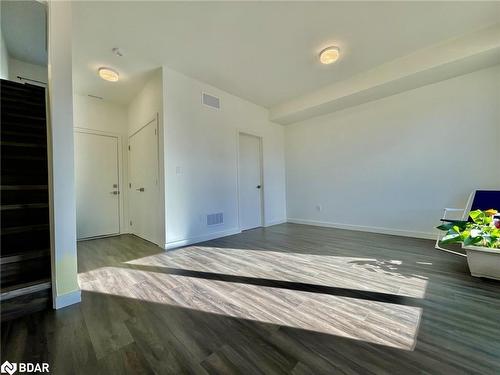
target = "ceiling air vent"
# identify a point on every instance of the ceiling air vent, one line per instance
(210, 101)
(214, 219)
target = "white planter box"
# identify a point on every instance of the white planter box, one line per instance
(483, 261)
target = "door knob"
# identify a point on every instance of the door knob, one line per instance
(115, 192)
(258, 186)
(140, 189)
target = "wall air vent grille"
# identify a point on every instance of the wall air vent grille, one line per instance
(215, 219)
(210, 100)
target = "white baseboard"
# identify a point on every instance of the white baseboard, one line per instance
(275, 222)
(207, 237)
(362, 228)
(67, 299)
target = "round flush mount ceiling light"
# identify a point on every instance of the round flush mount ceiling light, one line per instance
(108, 74)
(329, 55)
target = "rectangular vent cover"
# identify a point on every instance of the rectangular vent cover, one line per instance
(214, 219)
(210, 101)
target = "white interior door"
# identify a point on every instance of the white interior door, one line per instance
(250, 181)
(97, 190)
(144, 197)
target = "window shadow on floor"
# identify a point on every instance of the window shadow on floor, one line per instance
(283, 284)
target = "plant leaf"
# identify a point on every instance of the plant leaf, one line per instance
(471, 240)
(446, 226)
(459, 223)
(451, 238)
(477, 216)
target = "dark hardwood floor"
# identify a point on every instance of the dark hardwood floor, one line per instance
(285, 299)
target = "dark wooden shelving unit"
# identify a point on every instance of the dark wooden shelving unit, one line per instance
(24, 205)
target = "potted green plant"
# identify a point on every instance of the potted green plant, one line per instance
(480, 238)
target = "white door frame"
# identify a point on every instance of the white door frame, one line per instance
(261, 161)
(158, 240)
(120, 176)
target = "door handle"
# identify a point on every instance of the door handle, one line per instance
(140, 189)
(258, 186)
(115, 192)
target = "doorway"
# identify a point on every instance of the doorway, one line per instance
(143, 182)
(250, 181)
(97, 184)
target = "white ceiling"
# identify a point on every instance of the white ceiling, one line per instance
(24, 30)
(265, 52)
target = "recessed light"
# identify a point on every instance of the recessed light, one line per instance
(108, 74)
(329, 55)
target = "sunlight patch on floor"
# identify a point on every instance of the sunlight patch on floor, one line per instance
(381, 323)
(359, 273)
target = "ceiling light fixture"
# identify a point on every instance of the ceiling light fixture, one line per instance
(329, 55)
(108, 74)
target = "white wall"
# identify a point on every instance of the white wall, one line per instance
(27, 70)
(103, 116)
(392, 165)
(65, 288)
(201, 159)
(4, 58)
(147, 103)
(145, 107)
